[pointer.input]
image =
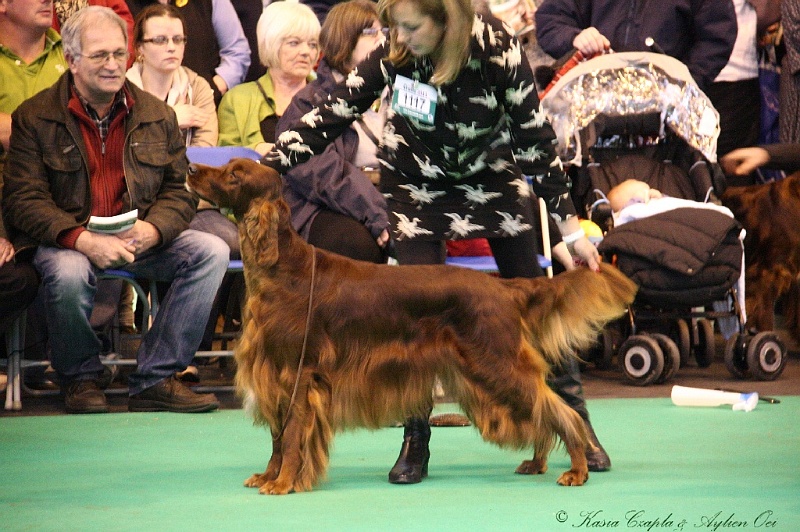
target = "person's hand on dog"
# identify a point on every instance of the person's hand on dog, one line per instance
(744, 161)
(587, 252)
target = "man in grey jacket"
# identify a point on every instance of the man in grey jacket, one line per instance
(95, 145)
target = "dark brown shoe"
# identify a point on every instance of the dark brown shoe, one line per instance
(171, 395)
(85, 397)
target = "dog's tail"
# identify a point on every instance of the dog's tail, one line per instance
(565, 314)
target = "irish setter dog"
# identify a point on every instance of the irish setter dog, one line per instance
(330, 343)
(769, 213)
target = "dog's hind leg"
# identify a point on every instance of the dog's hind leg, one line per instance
(569, 426)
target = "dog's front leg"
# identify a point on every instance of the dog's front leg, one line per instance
(257, 480)
(290, 447)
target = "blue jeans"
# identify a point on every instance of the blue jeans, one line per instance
(194, 262)
(214, 222)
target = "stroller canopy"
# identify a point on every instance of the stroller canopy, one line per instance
(631, 83)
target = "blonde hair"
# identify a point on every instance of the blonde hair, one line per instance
(455, 16)
(287, 18)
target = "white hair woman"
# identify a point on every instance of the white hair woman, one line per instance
(288, 45)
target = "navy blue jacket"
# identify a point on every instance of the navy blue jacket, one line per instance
(699, 33)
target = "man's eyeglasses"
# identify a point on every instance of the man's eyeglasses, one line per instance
(161, 40)
(101, 58)
(373, 32)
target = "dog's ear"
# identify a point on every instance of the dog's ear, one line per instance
(261, 228)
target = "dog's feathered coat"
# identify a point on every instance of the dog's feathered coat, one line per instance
(379, 336)
(769, 213)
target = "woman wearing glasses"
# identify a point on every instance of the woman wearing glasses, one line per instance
(159, 38)
(335, 205)
(288, 45)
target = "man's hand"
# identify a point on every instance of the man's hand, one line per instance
(6, 251)
(105, 251)
(591, 42)
(141, 237)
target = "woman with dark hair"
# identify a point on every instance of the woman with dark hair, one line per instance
(334, 203)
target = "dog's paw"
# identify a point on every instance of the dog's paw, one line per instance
(532, 467)
(256, 480)
(275, 487)
(573, 478)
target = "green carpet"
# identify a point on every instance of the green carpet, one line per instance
(688, 468)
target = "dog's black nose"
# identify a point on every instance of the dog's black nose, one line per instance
(192, 169)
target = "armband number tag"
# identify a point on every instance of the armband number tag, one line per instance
(413, 99)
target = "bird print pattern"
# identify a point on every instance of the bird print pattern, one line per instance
(464, 174)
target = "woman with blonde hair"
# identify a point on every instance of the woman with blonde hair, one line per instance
(463, 132)
(288, 45)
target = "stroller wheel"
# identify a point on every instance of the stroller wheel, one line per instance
(766, 356)
(705, 348)
(641, 359)
(672, 357)
(683, 339)
(736, 356)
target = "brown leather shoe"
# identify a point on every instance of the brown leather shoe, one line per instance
(171, 395)
(84, 397)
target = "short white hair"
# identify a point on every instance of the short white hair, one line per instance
(287, 18)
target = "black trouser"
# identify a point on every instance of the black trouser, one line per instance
(739, 107)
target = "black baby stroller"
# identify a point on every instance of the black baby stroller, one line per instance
(640, 116)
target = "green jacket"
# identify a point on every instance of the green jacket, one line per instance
(46, 175)
(242, 110)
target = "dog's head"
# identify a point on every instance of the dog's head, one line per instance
(236, 185)
(254, 193)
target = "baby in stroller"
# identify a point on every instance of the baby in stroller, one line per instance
(641, 140)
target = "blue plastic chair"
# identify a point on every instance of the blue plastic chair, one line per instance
(219, 155)
(487, 264)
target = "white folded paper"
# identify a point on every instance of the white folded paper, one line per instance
(113, 224)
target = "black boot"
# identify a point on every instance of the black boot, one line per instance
(412, 464)
(566, 382)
